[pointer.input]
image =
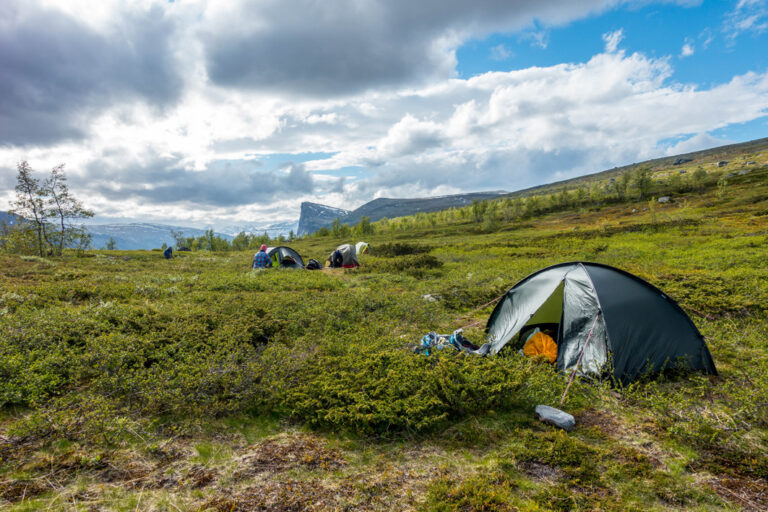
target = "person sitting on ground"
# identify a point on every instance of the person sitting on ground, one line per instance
(541, 344)
(261, 259)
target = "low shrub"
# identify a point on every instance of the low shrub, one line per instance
(389, 250)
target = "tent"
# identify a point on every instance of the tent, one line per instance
(631, 326)
(347, 257)
(284, 257)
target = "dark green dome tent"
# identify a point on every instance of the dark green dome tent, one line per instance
(635, 327)
(285, 257)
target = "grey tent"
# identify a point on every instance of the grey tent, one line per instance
(344, 256)
(635, 327)
(285, 257)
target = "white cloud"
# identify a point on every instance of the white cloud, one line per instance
(687, 50)
(696, 143)
(500, 52)
(537, 38)
(747, 16)
(612, 40)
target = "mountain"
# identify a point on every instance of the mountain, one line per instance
(134, 235)
(385, 207)
(314, 216)
(140, 235)
(273, 230)
(9, 218)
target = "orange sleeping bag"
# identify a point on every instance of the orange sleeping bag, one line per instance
(541, 344)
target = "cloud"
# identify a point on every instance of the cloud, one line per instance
(314, 50)
(696, 143)
(500, 52)
(537, 38)
(747, 16)
(687, 50)
(612, 40)
(164, 181)
(59, 71)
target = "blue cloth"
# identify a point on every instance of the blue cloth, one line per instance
(261, 260)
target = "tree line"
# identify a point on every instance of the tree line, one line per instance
(637, 184)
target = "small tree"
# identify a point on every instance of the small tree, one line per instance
(642, 182)
(64, 207)
(365, 227)
(30, 203)
(722, 187)
(178, 239)
(490, 222)
(622, 184)
(18, 237)
(112, 244)
(336, 227)
(698, 177)
(241, 241)
(478, 209)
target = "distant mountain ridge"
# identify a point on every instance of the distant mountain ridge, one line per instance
(135, 235)
(274, 230)
(9, 218)
(315, 216)
(140, 235)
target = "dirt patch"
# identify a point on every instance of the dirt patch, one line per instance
(167, 453)
(543, 472)
(288, 496)
(199, 476)
(610, 426)
(750, 495)
(17, 490)
(132, 474)
(602, 421)
(286, 452)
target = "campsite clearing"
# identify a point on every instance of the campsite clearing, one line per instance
(130, 382)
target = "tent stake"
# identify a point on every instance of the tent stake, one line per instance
(575, 368)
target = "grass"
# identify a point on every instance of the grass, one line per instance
(131, 382)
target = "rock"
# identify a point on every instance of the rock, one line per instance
(430, 298)
(680, 161)
(743, 172)
(751, 163)
(665, 199)
(722, 163)
(683, 171)
(555, 417)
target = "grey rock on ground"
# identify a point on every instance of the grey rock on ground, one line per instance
(555, 417)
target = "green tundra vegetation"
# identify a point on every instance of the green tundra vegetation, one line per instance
(131, 382)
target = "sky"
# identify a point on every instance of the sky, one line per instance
(233, 112)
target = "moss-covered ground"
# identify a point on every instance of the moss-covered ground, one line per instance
(128, 382)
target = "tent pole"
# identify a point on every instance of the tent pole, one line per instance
(575, 368)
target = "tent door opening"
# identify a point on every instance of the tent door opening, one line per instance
(548, 317)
